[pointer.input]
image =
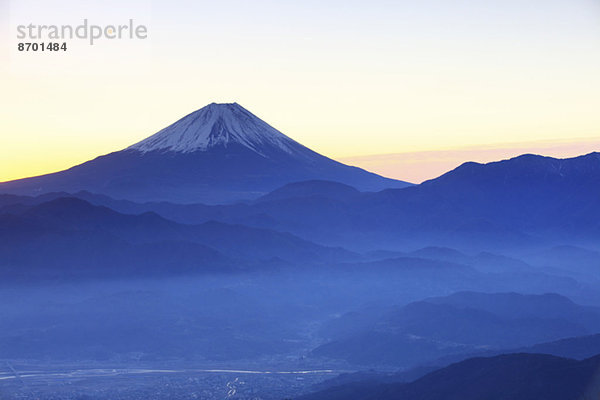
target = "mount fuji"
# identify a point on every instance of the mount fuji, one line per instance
(220, 153)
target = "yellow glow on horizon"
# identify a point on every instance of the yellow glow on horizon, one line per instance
(420, 166)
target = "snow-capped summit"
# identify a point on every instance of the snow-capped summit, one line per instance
(216, 125)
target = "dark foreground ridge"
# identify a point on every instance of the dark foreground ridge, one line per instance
(504, 377)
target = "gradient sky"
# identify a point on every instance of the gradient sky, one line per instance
(424, 81)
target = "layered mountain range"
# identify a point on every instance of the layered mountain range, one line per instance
(221, 240)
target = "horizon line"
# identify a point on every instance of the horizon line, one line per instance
(420, 165)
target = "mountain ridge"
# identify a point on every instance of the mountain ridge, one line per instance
(219, 154)
(519, 376)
